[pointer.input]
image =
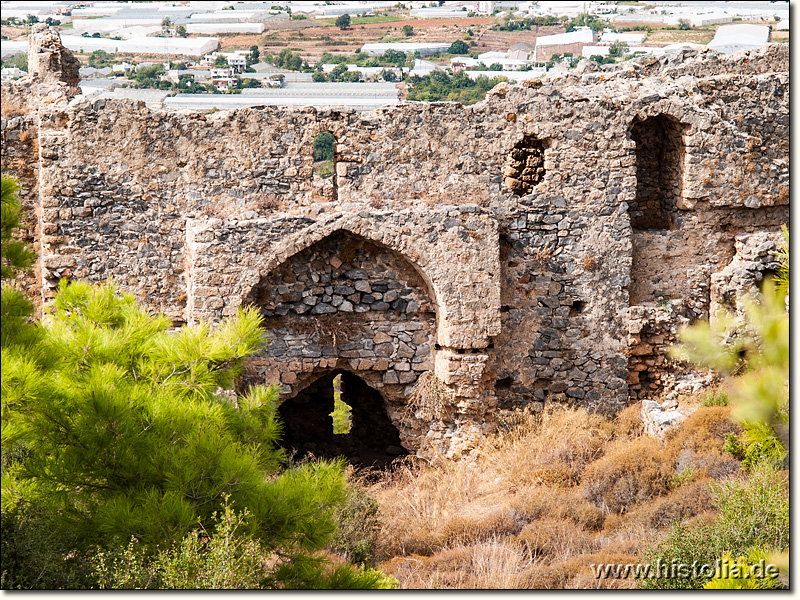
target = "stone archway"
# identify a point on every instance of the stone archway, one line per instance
(346, 304)
(373, 439)
(425, 298)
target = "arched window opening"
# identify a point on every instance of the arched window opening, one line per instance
(324, 152)
(309, 421)
(659, 172)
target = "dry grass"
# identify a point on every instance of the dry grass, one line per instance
(543, 501)
(628, 423)
(425, 508)
(634, 471)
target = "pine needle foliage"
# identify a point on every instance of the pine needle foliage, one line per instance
(15, 256)
(115, 428)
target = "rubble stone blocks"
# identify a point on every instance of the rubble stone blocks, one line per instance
(647, 192)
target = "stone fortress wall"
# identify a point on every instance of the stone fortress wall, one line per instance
(542, 246)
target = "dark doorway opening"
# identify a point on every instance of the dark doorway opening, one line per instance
(309, 427)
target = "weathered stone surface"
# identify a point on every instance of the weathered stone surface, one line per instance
(636, 197)
(658, 419)
(49, 61)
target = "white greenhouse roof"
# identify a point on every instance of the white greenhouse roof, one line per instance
(732, 38)
(579, 36)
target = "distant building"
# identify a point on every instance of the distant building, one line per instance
(224, 83)
(732, 38)
(12, 73)
(326, 11)
(424, 67)
(562, 43)
(360, 96)
(589, 51)
(222, 16)
(142, 45)
(123, 67)
(699, 18)
(439, 13)
(112, 24)
(93, 73)
(195, 75)
(237, 60)
(609, 37)
(521, 51)
(558, 8)
(212, 28)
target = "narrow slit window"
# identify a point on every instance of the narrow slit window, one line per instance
(342, 414)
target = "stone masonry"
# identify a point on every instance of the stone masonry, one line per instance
(542, 246)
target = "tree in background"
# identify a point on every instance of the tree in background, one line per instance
(388, 76)
(343, 21)
(254, 56)
(458, 47)
(408, 30)
(324, 145)
(618, 49)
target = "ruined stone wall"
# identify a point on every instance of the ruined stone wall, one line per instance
(510, 222)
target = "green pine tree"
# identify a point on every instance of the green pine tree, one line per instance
(117, 428)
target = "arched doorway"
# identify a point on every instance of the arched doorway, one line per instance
(372, 439)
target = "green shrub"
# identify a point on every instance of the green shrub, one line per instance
(715, 398)
(34, 555)
(732, 575)
(756, 444)
(753, 512)
(225, 558)
(356, 539)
